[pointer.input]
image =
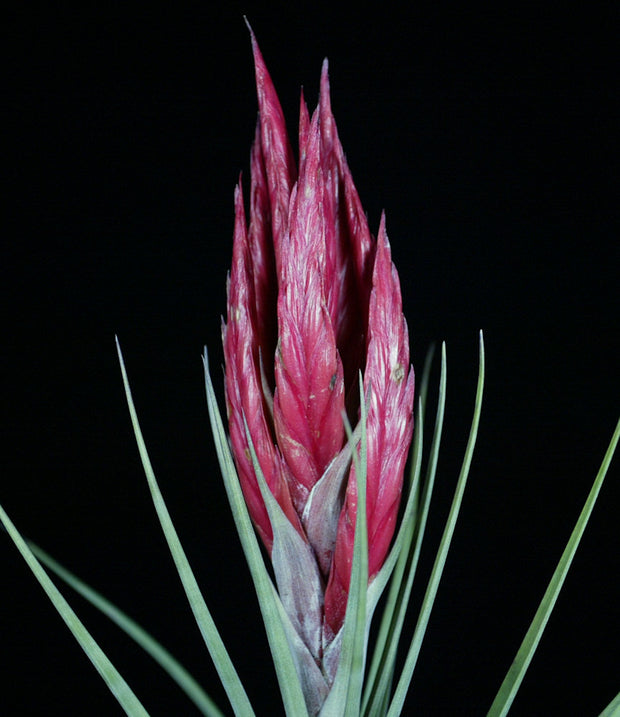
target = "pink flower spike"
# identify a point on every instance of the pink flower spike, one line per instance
(313, 300)
(390, 380)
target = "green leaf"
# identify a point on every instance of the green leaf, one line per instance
(410, 512)
(512, 681)
(431, 591)
(376, 690)
(384, 659)
(613, 708)
(345, 695)
(159, 653)
(292, 695)
(119, 688)
(309, 673)
(223, 664)
(393, 565)
(299, 592)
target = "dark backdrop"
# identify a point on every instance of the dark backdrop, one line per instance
(490, 140)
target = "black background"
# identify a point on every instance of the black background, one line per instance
(490, 141)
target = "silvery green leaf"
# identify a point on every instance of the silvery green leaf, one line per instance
(313, 682)
(321, 513)
(295, 568)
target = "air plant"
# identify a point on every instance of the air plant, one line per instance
(320, 406)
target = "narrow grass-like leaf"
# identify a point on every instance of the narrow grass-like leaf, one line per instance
(613, 708)
(400, 589)
(401, 544)
(512, 681)
(346, 693)
(119, 688)
(403, 539)
(426, 372)
(159, 653)
(353, 647)
(393, 566)
(292, 695)
(223, 664)
(410, 512)
(433, 584)
(374, 689)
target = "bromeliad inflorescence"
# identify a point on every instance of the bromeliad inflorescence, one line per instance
(315, 342)
(313, 299)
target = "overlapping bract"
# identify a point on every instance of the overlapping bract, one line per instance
(313, 300)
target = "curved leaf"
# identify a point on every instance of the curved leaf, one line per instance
(512, 681)
(442, 553)
(292, 695)
(221, 659)
(148, 643)
(119, 688)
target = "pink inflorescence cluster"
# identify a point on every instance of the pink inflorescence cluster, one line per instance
(313, 299)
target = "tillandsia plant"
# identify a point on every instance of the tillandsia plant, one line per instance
(313, 300)
(320, 403)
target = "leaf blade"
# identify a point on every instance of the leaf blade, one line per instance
(511, 683)
(159, 653)
(290, 689)
(613, 708)
(400, 590)
(223, 664)
(433, 584)
(115, 682)
(346, 692)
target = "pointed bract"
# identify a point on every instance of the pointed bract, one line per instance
(276, 149)
(262, 255)
(243, 393)
(304, 125)
(350, 251)
(389, 382)
(312, 301)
